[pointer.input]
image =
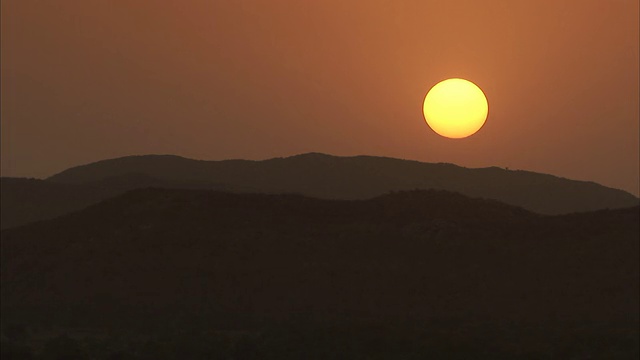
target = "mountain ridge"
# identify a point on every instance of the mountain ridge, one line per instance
(311, 174)
(363, 176)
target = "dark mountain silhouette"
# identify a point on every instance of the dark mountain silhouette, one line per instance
(30, 200)
(390, 254)
(332, 177)
(317, 175)
(153, 257)
(362, 177)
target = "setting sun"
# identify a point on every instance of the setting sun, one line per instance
(455, 108)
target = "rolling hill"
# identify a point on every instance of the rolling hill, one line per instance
(268, 254)
(471, 268)
(313, 174)
(29, 200)
(361, 177)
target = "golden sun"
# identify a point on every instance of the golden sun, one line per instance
(455, 108)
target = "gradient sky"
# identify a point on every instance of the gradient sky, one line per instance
(88, 80)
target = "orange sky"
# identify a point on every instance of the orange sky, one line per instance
(88, 80)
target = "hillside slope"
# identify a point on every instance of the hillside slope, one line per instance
(362, 177)
(30, 200)
(240, 258)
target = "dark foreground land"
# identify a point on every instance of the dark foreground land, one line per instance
(194, 274)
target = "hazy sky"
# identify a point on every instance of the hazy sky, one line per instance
(88, 80)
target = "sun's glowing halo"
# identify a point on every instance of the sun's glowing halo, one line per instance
(455, 108)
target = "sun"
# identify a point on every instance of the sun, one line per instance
(455, 108)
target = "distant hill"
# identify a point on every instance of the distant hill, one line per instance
(244, 258)
(361, 177)
(29, 200)
(316, 175)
